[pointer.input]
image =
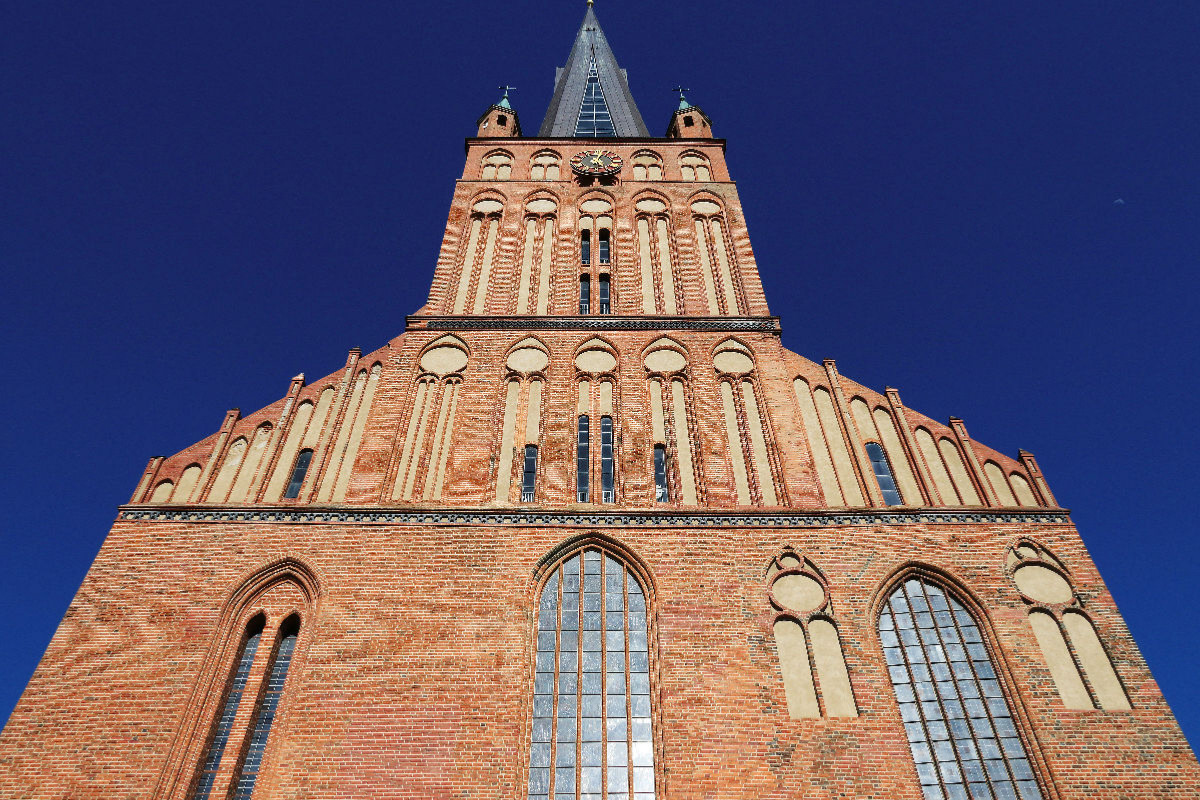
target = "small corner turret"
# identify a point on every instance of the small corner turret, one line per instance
(688, 121)
(500, 120)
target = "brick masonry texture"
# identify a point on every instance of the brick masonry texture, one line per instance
(413, 673)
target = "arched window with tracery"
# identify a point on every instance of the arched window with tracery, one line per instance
(961, 731)
(225, 743)
(647, 166)
(546, 166)
(592, 731)
(496, 166)
(695, 167)
(1081, 668)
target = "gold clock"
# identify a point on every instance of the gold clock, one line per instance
(596, 162)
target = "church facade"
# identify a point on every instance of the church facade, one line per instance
(586, 530)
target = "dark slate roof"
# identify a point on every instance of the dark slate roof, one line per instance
(570, 80)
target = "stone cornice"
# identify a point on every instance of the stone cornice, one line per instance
(597, 322)
(599, 519)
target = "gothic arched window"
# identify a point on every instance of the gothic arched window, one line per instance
(229, 706)
(591, 707)
(268, 706)
(959, 725)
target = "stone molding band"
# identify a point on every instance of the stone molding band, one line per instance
(600, 322)
(616, 519)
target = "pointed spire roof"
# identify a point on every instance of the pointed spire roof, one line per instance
(591, 90)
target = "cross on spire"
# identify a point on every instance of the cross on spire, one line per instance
(503, 101)
(683, 102)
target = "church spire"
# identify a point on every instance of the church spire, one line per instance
(591, 93)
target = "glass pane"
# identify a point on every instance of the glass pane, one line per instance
(952, 709)
(585, 293)
(605, 296)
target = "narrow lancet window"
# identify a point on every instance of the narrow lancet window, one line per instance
(585, 247)
(883, 474)
(585, 294)
(298, 473)
(607, 484)
(264, 715)
(582, 459)
(959, 726)
(592, 734)
(604, 246)
(529, 474)
(605, 295)
(220, 735)
(660, 474)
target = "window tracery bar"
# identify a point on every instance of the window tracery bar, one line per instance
(592, 735)
(220, 737)
(959, 726)
(264, 717)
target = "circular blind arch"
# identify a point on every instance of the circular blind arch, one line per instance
(960, 728)
(592, 737)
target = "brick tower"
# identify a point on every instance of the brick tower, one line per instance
(586, 530)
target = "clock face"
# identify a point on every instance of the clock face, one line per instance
(597, 162)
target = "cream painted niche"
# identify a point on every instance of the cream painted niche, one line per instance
(815, 679)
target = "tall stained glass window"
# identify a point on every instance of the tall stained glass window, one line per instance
(264, 715)
(594, 118)
(959, 725)
(233, 698)
(591, 706)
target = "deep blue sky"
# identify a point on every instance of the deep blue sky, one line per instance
(201, 200)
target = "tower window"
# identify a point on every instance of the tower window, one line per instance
(604, 236)
(264, 715)
(605, 304)
(883, 474)
(585, 294)
(582, 459)
(237, 686)
(501, 120)
(660, 474)
(585, 247)
(960, 729)
(298, 473)
(687, 122)
(607, 484)
(529, 474)
(592, 734)
(594, 119)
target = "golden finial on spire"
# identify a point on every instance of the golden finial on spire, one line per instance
(590, 3)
